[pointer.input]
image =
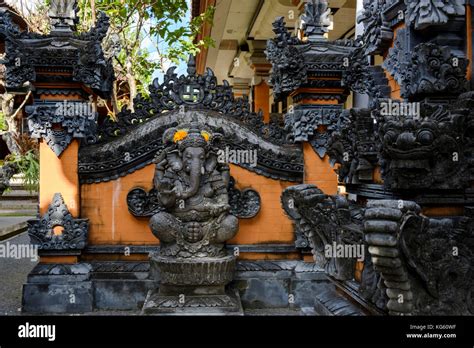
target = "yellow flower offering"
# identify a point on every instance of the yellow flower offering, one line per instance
(205, 135)
(180, 135)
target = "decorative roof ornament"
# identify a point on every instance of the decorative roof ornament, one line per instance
(316, 20)
(63, 15)
(423, 14)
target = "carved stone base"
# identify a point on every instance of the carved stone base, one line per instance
(194, 286)
(170, 271)
(226, 303)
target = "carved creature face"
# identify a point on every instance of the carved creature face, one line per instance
(419, 152)
(410, 139)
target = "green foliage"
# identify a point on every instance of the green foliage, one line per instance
(28, 165)
(3, 124)
(160, 21)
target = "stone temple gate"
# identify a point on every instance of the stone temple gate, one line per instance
(192, 204)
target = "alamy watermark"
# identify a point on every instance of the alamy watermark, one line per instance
(394, 108)
(19, 251)
(227, 155)
(69, 108)
(345, 251)
(37, 331)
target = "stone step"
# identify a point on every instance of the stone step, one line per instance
(18, 205)
(9, 213)
(19, 195)
(18, 187)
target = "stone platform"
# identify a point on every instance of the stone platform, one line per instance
(227, 303)
(263, 288)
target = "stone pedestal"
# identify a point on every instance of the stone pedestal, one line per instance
(192, 287)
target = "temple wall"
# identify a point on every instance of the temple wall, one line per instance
(319, 171)
(105, 205)
(59, 174)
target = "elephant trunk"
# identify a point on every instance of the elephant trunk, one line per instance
(194, 180)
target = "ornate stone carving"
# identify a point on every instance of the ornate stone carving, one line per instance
(59, 123)
(331, 221)
(6, 173)
(427, 69)
(34, 57)
(63, 14)
(429, 150)
(92, 67)
(426, 264)
(394, 12)
(58, 230)
(361, 77)
(424, 13)
(303, 122)
(316, 19)
(244, 204)
(354, 145)
(288, 67)
(191, 92)
(192, 187)
(137, 148)
(143, 204)
(377, 33)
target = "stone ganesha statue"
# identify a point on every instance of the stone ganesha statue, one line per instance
(191, 186)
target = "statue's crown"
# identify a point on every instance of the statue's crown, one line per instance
(194, 138)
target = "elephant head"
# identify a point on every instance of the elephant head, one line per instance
(191, 155)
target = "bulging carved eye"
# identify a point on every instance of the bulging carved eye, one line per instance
(425, 137)
(390, 136)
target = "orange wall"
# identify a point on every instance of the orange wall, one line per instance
(319, 171)
(105, 205)
(262, 99)
(271, 225)
(59, 175)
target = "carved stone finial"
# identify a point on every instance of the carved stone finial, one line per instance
(191, 66)
(63, 15)
(316, 19)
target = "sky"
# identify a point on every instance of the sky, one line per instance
(149, 45)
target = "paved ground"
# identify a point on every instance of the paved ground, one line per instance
(13, 274)
(13, 220)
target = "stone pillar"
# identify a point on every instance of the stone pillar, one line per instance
(60, 118)
(261, 67)
(311, 72)
(313, 115)
(241, 87)
(261, 99)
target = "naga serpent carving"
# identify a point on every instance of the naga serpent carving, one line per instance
(426, 263)
(415, 265)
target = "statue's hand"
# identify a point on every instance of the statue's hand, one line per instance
(168, 197)
(219, 210)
